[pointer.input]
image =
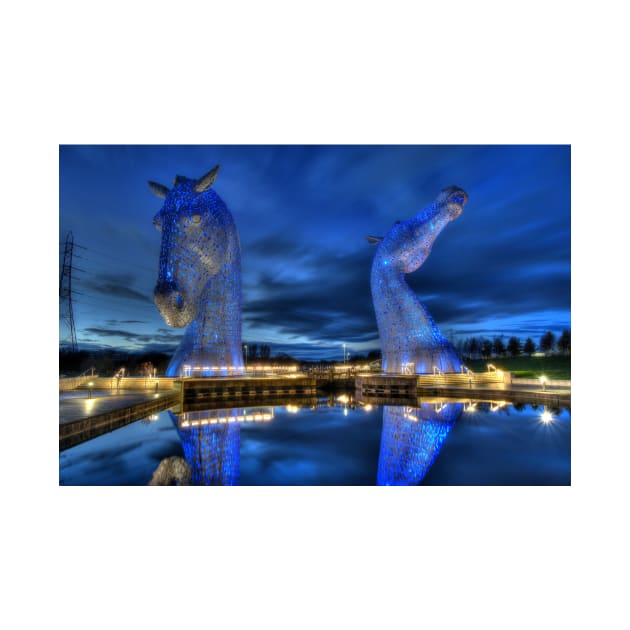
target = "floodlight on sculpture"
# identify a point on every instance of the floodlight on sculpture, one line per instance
(410, 339)
(199, 280)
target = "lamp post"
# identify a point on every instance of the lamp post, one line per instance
(344, 353)
(245, 348)
(90, 385)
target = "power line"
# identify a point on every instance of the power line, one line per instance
(65, 293)
(108, 256)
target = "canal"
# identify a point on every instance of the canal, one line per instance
(332, 441)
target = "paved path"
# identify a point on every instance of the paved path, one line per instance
(103, 401)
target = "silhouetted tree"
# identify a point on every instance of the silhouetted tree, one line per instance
(529, 347)
(283, 358)
(146, 368)
(474, 347)
(486, 348)
(373, 355)
(514, 346)
(265, 351)
(547, 341)
(498, 346)
(564, 343)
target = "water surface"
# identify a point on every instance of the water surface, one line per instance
(334, 443)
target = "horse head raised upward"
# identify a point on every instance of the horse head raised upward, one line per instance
(410, 339)
(199, 280)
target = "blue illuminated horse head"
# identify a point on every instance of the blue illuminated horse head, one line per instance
(199, 280)
(408, 243)
(410, 339)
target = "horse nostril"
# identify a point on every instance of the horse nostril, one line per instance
(165, 288)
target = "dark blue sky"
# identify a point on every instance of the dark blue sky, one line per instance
(302, 212)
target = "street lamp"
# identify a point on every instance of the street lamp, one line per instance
(90, 385)
(344, 353)
(543, 380)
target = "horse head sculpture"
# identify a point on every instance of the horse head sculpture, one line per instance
(410, 339)
(199, 280)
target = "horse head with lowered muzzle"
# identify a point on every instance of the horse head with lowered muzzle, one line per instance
(199, 279)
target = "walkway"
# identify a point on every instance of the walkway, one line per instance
(80, 407)
(83, 418)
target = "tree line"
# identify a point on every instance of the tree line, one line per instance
(255, 351)
(484, 348)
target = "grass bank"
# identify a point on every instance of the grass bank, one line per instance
(527, 367)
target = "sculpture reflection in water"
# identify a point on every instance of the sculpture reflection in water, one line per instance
(211, 440)
(410, 340)
(199, 281)
(411, 440)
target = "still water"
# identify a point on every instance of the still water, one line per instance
(333, 442)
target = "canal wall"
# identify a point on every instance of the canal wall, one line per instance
(111, 382)
(67, 384)
(405, 389)
(203, 389)
(535, 382)
(196, 394)
(83, 429)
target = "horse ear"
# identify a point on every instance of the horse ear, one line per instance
(374, 240)
(158, 189)
(205, 182)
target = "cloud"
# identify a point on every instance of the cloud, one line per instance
(117, 286)
(137, 338)
(326, 299)
(116, 322)
(302, 214)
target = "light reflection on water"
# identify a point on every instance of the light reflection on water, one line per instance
(337, 442)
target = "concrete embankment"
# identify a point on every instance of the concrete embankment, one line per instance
(111, 383)
(81, 419)
(117, 402)
(126, 400)
(377, 389)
